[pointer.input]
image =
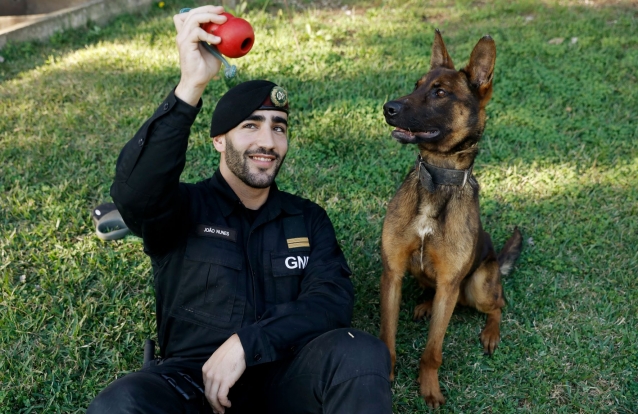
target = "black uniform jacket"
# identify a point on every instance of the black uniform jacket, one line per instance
(278, 282)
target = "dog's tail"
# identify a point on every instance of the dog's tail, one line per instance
(510, 252)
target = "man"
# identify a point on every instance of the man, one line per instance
(253, 292)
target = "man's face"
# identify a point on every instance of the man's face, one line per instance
(256, 148)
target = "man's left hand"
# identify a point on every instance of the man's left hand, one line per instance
(221, 372)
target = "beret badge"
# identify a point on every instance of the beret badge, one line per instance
(279, 96)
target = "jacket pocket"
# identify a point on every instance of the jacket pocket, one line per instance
(287, 271)
(209, 285)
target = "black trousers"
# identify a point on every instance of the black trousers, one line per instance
(342, 371)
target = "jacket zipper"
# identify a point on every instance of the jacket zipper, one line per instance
(252, 274)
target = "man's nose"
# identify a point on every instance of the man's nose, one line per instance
(266, 138)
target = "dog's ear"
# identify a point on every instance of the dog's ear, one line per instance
(440, 57)
(480, 70)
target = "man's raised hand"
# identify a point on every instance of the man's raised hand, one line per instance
(198, 66)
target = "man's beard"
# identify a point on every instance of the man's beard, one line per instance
(238, 164)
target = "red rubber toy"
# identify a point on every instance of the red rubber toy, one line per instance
(237, 36)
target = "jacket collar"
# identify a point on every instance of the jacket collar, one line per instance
(228, 200)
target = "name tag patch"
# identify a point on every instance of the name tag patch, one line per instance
(221, 232)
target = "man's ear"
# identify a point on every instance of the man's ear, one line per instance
(220, 143)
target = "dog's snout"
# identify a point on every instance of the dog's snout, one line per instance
(392, 108)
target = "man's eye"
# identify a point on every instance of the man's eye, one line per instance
(280, 129)
(250, 125)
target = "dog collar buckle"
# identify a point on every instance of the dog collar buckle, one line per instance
(425, 178)
(467, 175)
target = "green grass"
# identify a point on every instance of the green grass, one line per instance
(559, 159)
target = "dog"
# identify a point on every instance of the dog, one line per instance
(432, 227)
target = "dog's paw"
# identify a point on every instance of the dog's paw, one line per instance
(434, 401)
(490, 339)
(422, 310)
(429, 388)
(433, 397)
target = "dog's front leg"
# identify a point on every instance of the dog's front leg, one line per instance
(432, 357)
(390, 304)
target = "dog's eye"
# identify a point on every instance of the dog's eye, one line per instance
(440, 93)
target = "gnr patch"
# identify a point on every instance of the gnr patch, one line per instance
(289, 264)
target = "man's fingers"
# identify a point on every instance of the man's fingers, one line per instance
(206, 9)
(212, 389)
(197, 17)
(222, 395)
(178, 21)
(194, 33)
(201, 18)
(197, 35)
(207, 37)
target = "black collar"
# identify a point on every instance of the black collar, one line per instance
(431, 176)
(228, 200)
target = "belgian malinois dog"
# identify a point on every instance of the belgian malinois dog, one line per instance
(432, 226)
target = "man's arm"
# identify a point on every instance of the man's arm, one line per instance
(324, 303)
(146, 188)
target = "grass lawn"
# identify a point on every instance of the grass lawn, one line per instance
(559, 159)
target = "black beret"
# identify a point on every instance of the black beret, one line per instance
(242, 100)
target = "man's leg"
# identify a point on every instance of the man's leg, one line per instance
(342, 371)
(147, 392)
(137, 392)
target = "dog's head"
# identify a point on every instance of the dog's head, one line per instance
(446, 110)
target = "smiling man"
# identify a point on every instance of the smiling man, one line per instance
(253, 292)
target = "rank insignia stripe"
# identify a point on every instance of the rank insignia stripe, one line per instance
(298, 242)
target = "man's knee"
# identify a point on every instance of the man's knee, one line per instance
(336, 372)
(357, 350)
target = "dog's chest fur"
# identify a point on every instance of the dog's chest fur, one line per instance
(426, 226)
(425, 223)
(440, 224)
